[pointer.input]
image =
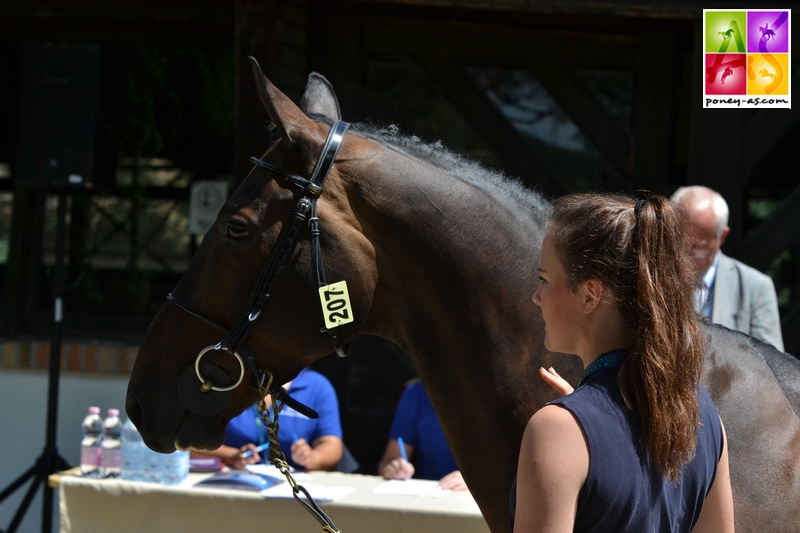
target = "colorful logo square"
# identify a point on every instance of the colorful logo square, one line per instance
(747, 58)
(725, 32)
(726, 73)
(768, 32)
(768, 74)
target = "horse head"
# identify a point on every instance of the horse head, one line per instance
(213, 296)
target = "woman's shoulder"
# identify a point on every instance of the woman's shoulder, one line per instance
(552, 422)
(554, 436)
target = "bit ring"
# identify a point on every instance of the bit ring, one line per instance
(216, 347)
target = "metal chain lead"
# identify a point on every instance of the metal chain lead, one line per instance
(278, 458)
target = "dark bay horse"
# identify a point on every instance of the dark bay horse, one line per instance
(439, 255)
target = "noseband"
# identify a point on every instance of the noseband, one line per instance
(199, 401)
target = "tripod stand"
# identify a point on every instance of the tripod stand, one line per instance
(49, 461)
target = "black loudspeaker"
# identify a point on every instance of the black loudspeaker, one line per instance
(58, 115)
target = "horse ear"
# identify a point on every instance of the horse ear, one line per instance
(319, 98)
(283, 113)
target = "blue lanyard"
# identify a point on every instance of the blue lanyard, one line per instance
(607, 360)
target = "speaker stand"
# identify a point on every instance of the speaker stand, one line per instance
(49, 461)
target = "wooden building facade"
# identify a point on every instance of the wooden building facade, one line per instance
(567, 95)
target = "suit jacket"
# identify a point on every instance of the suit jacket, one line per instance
(745, 300)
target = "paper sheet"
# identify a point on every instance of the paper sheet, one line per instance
(272, 471)
(320, 493)
(412, 487)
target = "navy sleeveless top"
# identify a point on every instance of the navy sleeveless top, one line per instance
(624, 492)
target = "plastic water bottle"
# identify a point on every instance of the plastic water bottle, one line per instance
(153, 465)
(176, 467)
(111, 446)
(132, 453)
(90, 444)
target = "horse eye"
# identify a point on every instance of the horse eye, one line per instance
(236, 233)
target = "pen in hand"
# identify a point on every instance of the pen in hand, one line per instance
(247, 453)
(402, 448)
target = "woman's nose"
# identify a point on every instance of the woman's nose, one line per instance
(536, 299)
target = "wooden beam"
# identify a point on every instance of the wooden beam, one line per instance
(682, 9)
(494, 45)
(489, 123)
(207, 23)
(544, 52)
(152, 11)
(587, 114)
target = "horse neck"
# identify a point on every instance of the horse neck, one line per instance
(448, 254)
(457, 269)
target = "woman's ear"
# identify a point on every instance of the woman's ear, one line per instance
(593, 291)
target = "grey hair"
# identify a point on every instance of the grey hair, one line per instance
(696, 197)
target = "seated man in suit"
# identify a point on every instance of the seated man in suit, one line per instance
(734, 295)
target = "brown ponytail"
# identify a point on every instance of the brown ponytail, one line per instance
(636, 249)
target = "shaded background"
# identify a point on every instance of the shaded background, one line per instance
(569, 96)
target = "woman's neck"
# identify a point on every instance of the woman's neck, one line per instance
(606, 332)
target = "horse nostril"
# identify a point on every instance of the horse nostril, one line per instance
(134, 411)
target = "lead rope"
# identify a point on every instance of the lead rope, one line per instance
(278, 458)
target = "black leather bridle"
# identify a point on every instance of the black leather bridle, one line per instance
(201, 401)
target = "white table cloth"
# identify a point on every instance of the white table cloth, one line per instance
(118, 506)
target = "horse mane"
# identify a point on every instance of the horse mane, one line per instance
(506, 189)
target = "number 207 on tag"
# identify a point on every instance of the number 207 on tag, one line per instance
(335, 304)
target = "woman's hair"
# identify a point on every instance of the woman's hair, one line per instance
(637, 250)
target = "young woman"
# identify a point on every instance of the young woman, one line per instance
(638, 446)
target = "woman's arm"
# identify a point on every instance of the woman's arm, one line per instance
(553, 465)
(323, 454)
(231, 456)
(392, 465)
(453, 481)
(717, 513)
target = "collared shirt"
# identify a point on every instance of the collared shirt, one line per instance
(702, 303)
(416, 421)
(310, 388)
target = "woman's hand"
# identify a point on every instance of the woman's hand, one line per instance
(398, 468)
(453, 481)
(323, 454)
(559, 384)
(233, 456)
(302, 453)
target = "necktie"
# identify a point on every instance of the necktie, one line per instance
(708, 304)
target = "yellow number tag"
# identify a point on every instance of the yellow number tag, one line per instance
(335, 304)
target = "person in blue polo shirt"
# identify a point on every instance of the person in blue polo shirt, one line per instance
(309, 444)
(415, 425)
